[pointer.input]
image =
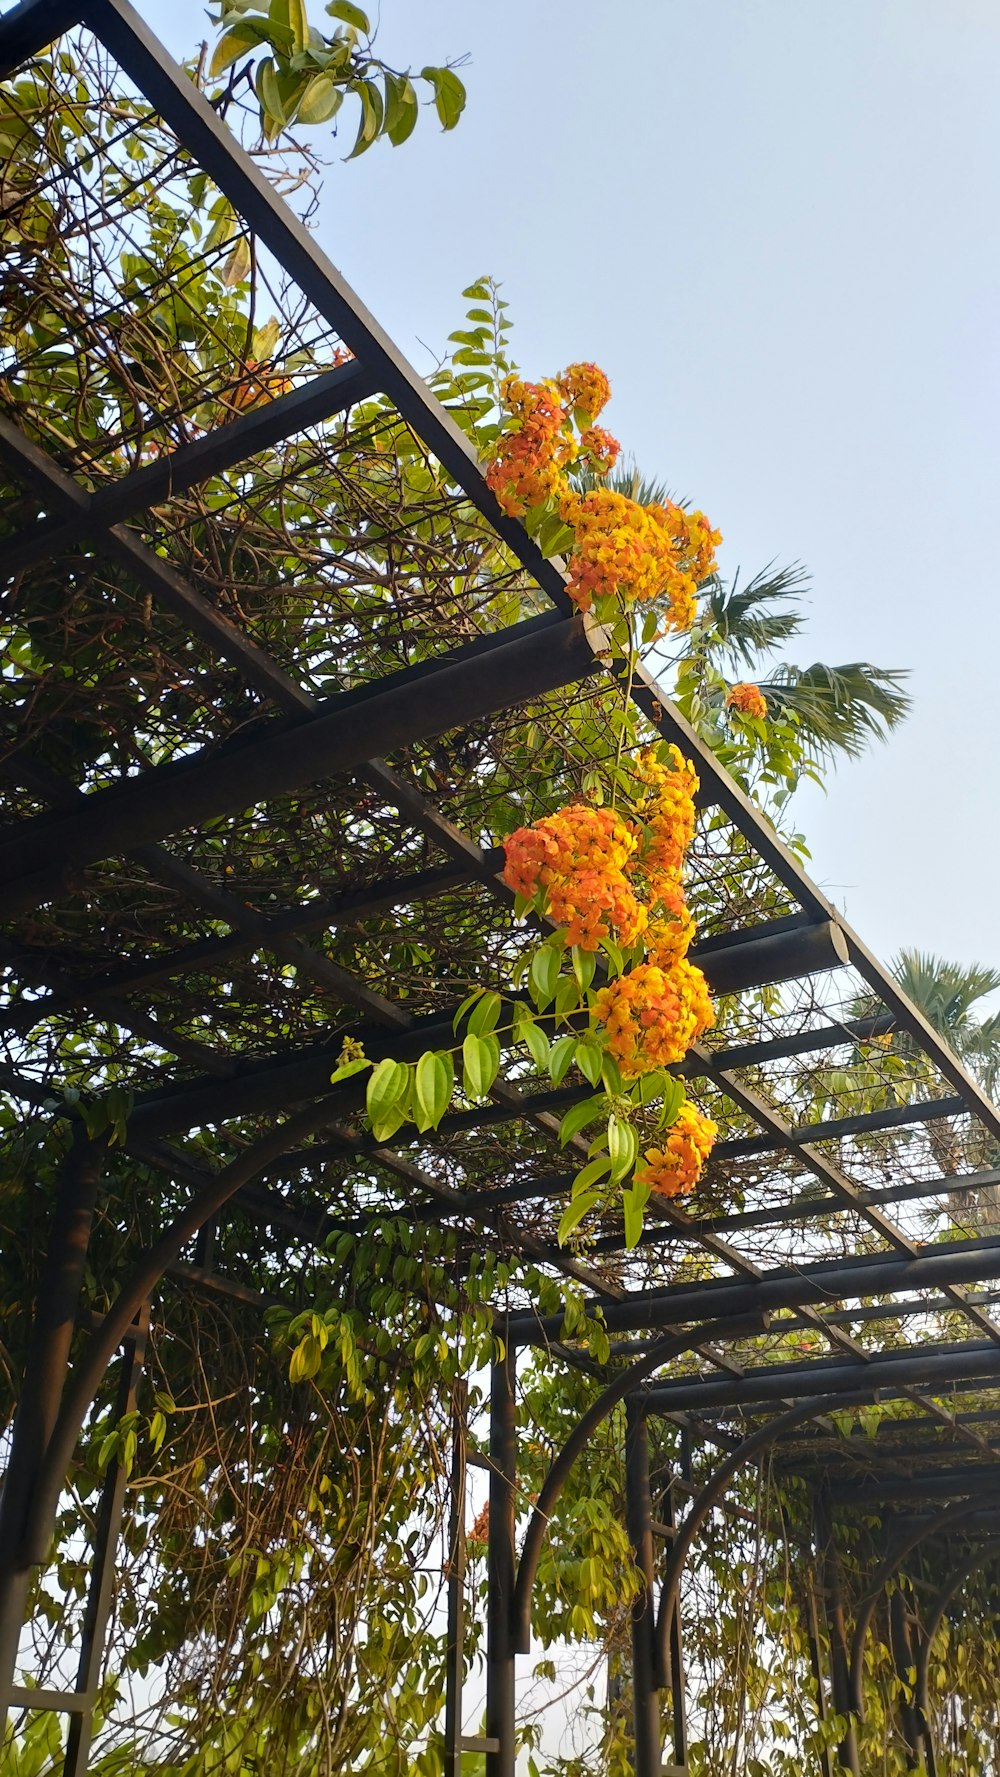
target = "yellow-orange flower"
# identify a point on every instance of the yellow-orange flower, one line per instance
(575, 860)
(532, 454)
(639, 552)
(600, 447)
(586, 387)
(667, 813)
(747, 700)
(675, 1168)
(651, 1016)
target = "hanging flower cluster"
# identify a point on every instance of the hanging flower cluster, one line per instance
(598, 875)
(621, 548)
(674, 1169)
(573, 863)
(747, 700)
(539, 443)
(639, 552)
(651, 1016)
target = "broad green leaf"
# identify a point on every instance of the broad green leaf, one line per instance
(434, 1082)
(298, 24)
(480, 1064)
(589, 1174)
(560, 1058)
(321, 100)
(543, 974)
(466, 1006)
(673, 1098)
(371, 115)
(239, 40)
(634, 1202)
(350, 15)
(401, 108)
(449, 94)
(584, 964)
(347, 1068)
(611, 1074)
(623, 1146)
(573, 1214)
(386, 1092)
(486, 1015)
(589, 1059)
(579, 1115)
(535, 1040)
(269, 92)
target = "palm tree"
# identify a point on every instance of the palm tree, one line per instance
(741, 625)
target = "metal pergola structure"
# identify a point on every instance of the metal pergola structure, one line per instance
(850, 1227)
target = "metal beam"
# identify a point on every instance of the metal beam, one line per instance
(326, 395)
(481, 679)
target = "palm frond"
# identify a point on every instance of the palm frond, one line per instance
(626, 479)
(840, 709)
(751, 619)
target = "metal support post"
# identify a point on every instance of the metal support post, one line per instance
(500, 1668)
(455, 1655)
(678, 1681)
(811, 1616)
(904, 1660)
(100, 1592)
(44, 1375)
(848, 1753)
(648, 1728)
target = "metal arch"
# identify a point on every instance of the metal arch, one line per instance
(559, 1472)
(86, 1377)
(921, 1688)
(712, 1492)
(952, 1516)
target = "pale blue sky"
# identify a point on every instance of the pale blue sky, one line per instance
(774, 223)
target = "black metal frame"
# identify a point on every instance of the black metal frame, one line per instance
(715, 1320)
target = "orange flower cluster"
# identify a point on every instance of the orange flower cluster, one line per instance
(747, 700)
(675, 1169)
(639, 552)
(576, 861)
(600, 447)
(585, 386)
(530, 458)
(668, 812)
(652, 1016)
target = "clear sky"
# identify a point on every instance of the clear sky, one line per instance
(774, 223)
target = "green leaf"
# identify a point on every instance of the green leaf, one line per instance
(623, 1146)
(480, 1064)
(401, 108)
(269, 93)
(486, 1014)
(350, 15)
(298, 24)
(321, 100)
(611, 1074)
(543, 974)
(449, 94)
(589, 1059)
(387, 1089)
(466, 1006)
(347, 1068)
(534, 1038)
(573, 1214)
(560, 1058)
(579, 1115)
(673, 1098)
(589, 1174)
(434, 1082)
(239, 40)
(371, 115)
(634, 1202)
(584, 964)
